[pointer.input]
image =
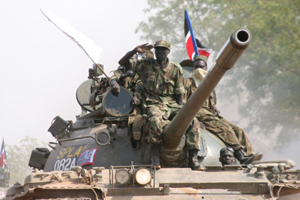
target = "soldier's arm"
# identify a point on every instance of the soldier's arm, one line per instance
(178, 98)
(125, 60)
(212, 102)
(137, 95)
(114, 81)
(115, 86)
(187, 90)
(141, 49)
(216, 110)
(179, 87)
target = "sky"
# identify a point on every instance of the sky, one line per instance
(41, 68)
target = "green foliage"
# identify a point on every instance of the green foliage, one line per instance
(266, 79)
(18, 158)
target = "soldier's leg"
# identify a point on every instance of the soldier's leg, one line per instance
(193, 132)
(155, 115)
(135, 123)
(193, 137)
(242, 137)
(224, 131)
(218, 127)
(247, 150)
(193, 144)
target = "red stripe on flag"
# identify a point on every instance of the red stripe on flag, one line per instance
(2, 160)
(189, 47)
(203, 52)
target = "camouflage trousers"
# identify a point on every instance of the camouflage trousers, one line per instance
(231, 134)
(159, 116)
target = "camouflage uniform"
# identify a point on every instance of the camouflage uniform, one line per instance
(231, 134)
(127, 82)
(159, 87)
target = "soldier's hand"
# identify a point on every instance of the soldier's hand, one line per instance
(202, 125)
(135, 101)
(115, 88)
(144, 48)
(216, 110)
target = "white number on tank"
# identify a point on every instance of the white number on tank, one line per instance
(65, 164)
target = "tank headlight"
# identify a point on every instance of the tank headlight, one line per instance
(122, 176)
(102, 138)
(143, 176)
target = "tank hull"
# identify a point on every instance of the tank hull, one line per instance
(120, 152)
(169, 183)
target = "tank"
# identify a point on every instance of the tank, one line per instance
(97, 157)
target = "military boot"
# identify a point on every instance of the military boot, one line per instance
(137, 127)
(155, 155)
(244, 158)
(193, 160)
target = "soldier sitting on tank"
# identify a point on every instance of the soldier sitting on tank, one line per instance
(226, 156)
(129, 79)
(231, 134)
(162, 82)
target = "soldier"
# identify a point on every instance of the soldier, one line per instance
(162, 82)
(231, 134)
(226, 156)
(127, 78)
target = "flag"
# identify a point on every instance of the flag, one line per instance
(190, 41)
(202, 50)
(193, 45)
(87, 45)
(87, 157)
(2, 155)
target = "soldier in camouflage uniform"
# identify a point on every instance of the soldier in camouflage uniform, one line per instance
(129, 79)
(231, 134)
(125, 78)
(162, 85)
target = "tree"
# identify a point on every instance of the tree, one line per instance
(267, 89)
(18, 158)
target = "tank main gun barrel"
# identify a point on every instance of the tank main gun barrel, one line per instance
(226, 58)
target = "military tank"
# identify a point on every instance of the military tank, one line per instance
(96, 157)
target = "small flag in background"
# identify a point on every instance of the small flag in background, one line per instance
(193, 45)
(2, 155)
